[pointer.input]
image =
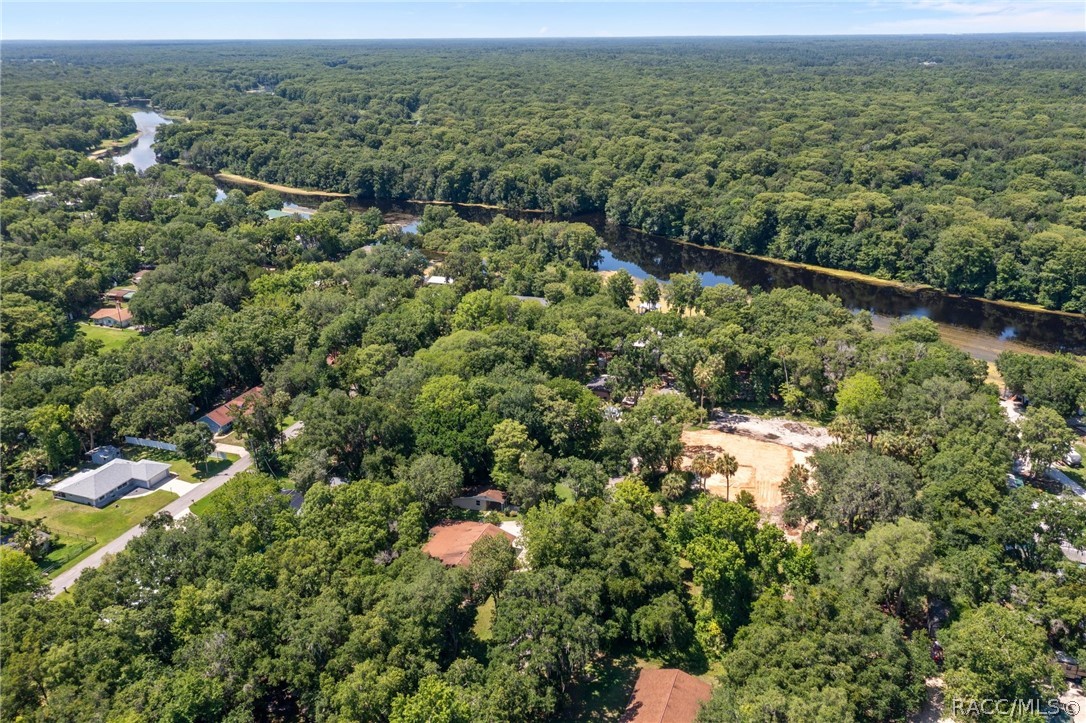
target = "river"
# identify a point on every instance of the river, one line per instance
(980, 328)
(142, 155)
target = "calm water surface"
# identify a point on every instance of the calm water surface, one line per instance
(142, 155)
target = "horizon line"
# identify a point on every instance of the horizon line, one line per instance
(548, 38)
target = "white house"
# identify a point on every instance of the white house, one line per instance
(481, 498)
(108, 483)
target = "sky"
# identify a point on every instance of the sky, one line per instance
(343, 19)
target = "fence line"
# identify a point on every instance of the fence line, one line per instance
(153, 443)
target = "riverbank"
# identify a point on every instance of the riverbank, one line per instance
(878, 281)
(982, 327)
(485, 206)
(109, 146)
(289, 190)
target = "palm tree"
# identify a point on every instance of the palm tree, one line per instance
(726, 465)
(702, 465)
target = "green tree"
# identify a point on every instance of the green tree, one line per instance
(861, 398)
(193, 442)
(493, 559)
(673, 486)
(51, 425)
(726, 465)
(620, 287)
(703, 466)
(94, 413)
(649, 292)
(895, 564)
(434, 480)
(508, 443)
(994, 652)
(1046, 438)
(449, 422)
(19, 573)
(683, 292)
(435, 701)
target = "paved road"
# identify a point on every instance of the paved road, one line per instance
(65, 579)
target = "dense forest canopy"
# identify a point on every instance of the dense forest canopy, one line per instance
(953, 162)
(900, 531)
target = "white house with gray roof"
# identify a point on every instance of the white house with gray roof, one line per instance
(113, 480)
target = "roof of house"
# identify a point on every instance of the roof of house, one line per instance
(226, 413)
(451, 541)
(666, 695)
(112, 312)
(93, 483)
(439, 280)
(538, 299)
(491, 493)
(119, 292)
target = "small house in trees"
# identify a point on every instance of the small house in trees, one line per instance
(221, 419)
(103, 454)
(598, 386)
(482, 499)
(106, 484)
(113, 317)
(666, 695)
(450, 542)
(438, 280)
(120, 293)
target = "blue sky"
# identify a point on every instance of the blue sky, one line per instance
(154, 19)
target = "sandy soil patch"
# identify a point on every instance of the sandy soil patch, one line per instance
(762, 466)
(787, 432)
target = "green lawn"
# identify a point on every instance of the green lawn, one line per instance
(111, 338)
(184, 470)
(484, 620)
(103, 524)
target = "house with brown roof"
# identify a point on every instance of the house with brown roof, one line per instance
(666, 695)
(450, 542)
(114, 317)
(221, 419)
(120, 294)
(481, 498)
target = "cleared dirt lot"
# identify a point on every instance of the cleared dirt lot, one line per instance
(762, 465)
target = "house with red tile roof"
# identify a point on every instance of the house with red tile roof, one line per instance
(666, 695)
(114, 317)
(450, 542)
(221, 419)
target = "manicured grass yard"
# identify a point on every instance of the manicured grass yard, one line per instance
(103, 524)
(184, 470)
(110, 338)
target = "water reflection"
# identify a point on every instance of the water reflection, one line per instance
(142, 155)
(982, 329)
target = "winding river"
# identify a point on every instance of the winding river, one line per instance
(981, 328)
(142, 155)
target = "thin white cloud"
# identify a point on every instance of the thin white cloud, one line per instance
(990, 16)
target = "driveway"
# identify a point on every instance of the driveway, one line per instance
(1066, 481)
(65, 579)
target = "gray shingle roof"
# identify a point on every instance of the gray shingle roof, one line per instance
(94, 483)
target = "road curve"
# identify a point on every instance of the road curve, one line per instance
(65, 579)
